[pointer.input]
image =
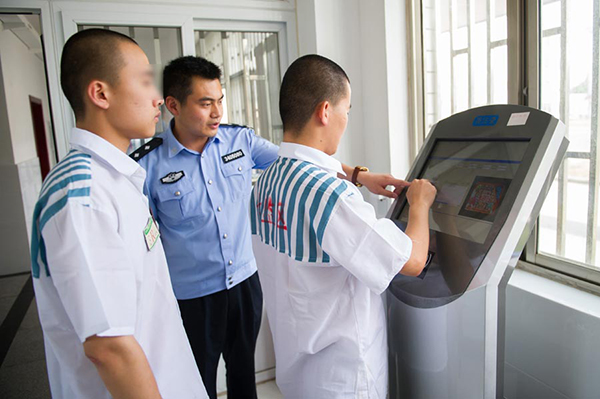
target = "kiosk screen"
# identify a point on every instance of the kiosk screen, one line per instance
(472, 178)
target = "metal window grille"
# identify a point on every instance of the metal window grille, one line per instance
(580, 114)
(251, 77)
(464, 55)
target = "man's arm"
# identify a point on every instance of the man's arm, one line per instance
(262, 151)
(375, 250)
(420, 197)
(376, 183)
(123, 367)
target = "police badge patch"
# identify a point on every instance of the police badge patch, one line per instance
(172, 177)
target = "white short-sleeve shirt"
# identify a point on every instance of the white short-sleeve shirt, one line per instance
(324, 259)
(94, 274)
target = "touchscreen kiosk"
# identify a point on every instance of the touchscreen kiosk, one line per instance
(492, 167)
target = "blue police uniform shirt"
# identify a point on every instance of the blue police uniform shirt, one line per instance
(201, 203)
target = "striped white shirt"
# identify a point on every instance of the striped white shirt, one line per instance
(94, 275)
(324, 259)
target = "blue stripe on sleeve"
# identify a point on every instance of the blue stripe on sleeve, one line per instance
(49, 182)
(253, 212)
(327, 214)
(268, 195)
(263, 209)
(288, 222)
(301, 210)
(272, 194)
(37, 244)
(312, 235)
(292, 206)
(285, 178)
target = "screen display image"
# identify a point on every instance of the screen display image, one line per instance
(472, 178)
(484, 197)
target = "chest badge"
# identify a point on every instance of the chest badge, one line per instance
(172, 177)
(232, 156)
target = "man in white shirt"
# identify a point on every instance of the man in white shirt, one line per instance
(112, 328)
(323, 257)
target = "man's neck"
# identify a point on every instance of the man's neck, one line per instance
(304, 138)
(106, 131)
(189, 141)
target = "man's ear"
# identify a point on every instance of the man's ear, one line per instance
(173, 105)
(322, 113)
(98, 93)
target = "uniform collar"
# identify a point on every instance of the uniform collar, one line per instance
(175, 147)
(117, 159)
(312, 155)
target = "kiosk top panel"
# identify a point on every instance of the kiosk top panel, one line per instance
(478, 161)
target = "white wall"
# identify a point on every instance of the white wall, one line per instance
(552, 340)
(367, 38)
(331, 28)
(22, 75)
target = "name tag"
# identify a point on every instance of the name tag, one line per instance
(151, 233)
(232, 156)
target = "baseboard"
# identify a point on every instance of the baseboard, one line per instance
(265, 375)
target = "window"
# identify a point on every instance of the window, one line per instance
(464, 56)
(465, 50)
(568, 45)
(251, 78)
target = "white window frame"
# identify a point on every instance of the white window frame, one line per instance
(523, 18)
(570, 268)
(60, 20)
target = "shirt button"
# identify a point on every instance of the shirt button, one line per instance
(219, 209)
(202, 155)
(178, 193)
(240, 168)
(231, 262)
(210, 182)
(225, 235)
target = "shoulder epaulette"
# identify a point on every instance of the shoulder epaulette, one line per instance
(146, 149)
(235, 125)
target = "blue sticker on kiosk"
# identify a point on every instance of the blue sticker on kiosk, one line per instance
(485, 120)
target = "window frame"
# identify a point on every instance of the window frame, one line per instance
(523, 85)
(286, 53)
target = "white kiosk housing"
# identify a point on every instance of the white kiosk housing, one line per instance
(492, 167)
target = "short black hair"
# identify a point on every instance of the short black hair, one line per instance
(309, 81)
(88, 55)
(178, 74)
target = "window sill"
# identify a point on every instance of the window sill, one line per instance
(560, 278)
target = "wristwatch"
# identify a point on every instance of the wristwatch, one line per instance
(355, 174)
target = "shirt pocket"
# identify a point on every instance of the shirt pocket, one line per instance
(177, 200)
(237, 178)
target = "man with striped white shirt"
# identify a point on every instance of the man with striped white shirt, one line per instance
(323, 257)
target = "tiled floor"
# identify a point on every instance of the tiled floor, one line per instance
(23, 372)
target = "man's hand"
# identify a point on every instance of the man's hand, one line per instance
(377, 183)
(421, 191)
